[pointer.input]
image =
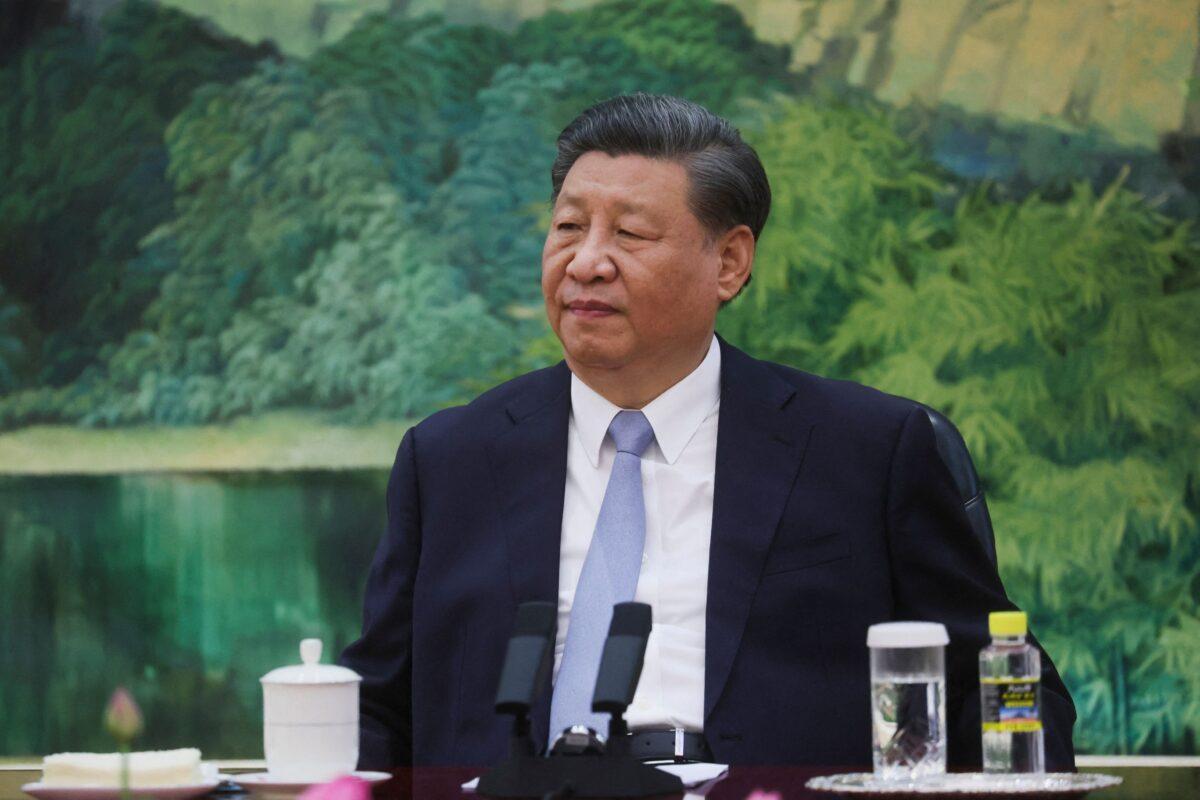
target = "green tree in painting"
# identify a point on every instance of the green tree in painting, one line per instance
(703, 50)
(249, 169)
(271, 173)
(847, 190)
(82, 167)
(1072, 374)
(422, 76)
(380, 326)
(275, 172)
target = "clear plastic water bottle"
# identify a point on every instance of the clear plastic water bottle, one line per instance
(1010, 689)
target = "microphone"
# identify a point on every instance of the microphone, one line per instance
(621, 661)
(613, 773)
(528, 659)
(621, 668)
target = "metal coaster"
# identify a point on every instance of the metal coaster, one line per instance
(967, 784)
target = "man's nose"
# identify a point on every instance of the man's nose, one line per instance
(592, 262)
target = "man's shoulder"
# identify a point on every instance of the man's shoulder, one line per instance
(854, 397)
(490, 410)
(842, 401)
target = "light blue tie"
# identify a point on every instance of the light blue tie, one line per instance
(609, 576)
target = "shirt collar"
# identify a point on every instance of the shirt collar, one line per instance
(675, 415)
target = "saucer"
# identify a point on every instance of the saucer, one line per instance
(266, 783)
(43, 792)
(177, 792)
(959, 785)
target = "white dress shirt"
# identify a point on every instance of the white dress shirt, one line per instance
(677, 481)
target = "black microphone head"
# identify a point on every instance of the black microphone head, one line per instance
(630, 619)
(621, 659)
(536, 618)
(528, 658)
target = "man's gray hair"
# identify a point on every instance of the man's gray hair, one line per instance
(728, 185)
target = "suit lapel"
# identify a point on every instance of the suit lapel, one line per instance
(529, 470)
(761, 439)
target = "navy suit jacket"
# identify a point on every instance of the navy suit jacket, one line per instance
(832, 511)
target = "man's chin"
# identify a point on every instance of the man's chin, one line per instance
(595, 355)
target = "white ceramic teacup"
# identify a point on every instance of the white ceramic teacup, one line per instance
(310, 718)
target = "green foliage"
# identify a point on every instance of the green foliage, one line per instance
(847, 192)
(380, 328)
(1076, 381)
(82, 169)
(267, 172)
(422, 77)
(278, 178)
(704, 50)
(273, 178)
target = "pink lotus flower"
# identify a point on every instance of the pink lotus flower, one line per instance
(759, 794)
(122, 717)
(345, 788)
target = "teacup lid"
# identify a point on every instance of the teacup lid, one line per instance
(311, 670)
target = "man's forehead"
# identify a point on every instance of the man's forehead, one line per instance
(627, 183)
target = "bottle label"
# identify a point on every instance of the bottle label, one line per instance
(1010, 705)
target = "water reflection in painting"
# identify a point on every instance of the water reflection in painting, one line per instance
(185, 587)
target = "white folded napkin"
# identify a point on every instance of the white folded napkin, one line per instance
(691, 774)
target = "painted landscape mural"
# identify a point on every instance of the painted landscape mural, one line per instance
(245, 243)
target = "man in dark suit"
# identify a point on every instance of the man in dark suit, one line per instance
(768, 515)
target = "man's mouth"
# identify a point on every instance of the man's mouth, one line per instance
(590, 309)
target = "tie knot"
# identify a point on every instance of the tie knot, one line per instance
(631, 432)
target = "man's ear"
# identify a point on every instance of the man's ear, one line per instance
(736, 248)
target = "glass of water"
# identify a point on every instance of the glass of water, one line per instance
(908, 699)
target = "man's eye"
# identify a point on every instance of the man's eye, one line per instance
(567, 226)
(631, 234)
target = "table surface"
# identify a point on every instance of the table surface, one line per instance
(1140, 783)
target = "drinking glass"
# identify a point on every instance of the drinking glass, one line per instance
(908, 699)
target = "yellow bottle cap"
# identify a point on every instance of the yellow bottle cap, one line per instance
(1008, 623)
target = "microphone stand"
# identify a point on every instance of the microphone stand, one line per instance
(521, 741)
(527, 664)
(613, 773)
(618, 735)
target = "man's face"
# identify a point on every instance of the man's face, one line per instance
(628, 273)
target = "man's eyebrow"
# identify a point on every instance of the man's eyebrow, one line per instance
(567, 200)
